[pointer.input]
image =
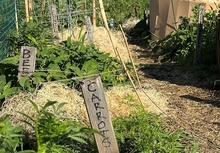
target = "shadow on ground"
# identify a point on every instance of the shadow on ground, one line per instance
(180, 75)
(215, 103)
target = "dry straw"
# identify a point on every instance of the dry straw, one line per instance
(121, 102)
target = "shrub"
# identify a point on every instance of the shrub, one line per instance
(180, 44)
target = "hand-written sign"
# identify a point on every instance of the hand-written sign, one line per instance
(99, 115)
(54, 22)
(89, 29)
(27, 61)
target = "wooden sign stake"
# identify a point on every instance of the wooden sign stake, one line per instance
(27, 61)
(54, 22)
(199, 35)
(94, 14)
(98, 113)
(89, 29)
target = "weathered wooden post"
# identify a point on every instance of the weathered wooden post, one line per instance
(98, 113)
(89, 30)
(27, 61)
(54, 23)
(218, 41)
(199, 35)
(68, 11)
(94, 13)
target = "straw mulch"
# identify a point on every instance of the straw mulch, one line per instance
(102, 40)
(121, 102)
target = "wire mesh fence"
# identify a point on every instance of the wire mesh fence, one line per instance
(7, 22)
(69, 14)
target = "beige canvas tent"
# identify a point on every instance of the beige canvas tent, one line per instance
(164, 14)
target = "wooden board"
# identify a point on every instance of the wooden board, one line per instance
(199, 35)
(54, 23)
(89, 29)
(98, 113)
(27, 61)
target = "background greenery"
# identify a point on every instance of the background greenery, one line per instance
(180, 44)
(139, 132)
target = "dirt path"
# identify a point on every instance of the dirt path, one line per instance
(191, 105)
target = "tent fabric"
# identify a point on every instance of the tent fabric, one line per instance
(164, 14)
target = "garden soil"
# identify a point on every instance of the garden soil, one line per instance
(184, 99)
(193, 102)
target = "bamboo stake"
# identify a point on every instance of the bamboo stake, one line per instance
(94, 14)
(43, 5)
(106, 24)
(26, 10)
(16, 15)
(129, 76)
(115, 49)
(103, 14)
(30, 8)
(30, 4)
(129, 52)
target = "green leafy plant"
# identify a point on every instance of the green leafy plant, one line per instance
(63, 62)
(74, 59)
(6, 89)
(10, 137)
(55, 134)
(8, 77)
(143, 132)
(31, 33)
(180, 44)
(123, 9)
